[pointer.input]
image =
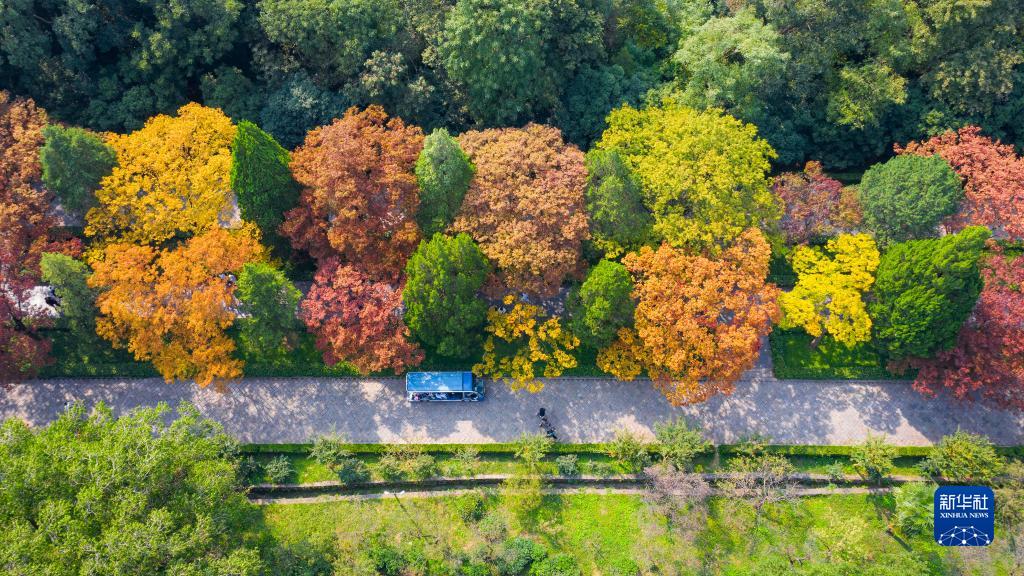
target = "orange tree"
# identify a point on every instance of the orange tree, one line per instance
(172, 307)
(701, 319)
(173, 177)
(359, 196)
(25, 226)
(525, 205)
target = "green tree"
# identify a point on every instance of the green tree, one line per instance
(443, 172)
(74, 161)
(679, 444)
(133, 494)
(704, 175)
(924, 290)
(619, 221)
(906, 197)
(261, 180)
(269, 327)
(442, 306)
(76, 327)
(873, 458)
(602, 305)
(512, 58)
(964, 457)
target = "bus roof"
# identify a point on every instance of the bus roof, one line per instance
(439, 382)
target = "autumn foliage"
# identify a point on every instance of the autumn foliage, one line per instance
(173, 306)
(701, 319)
(173, 176)
(988, 359)
(815, 205)
(525, 205)
(359, 197)
(993, 178)
(24, 235)
(356, 319)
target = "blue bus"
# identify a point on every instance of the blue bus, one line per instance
(443, 387)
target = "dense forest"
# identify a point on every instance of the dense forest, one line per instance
(837, 81)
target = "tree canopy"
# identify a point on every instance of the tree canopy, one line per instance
(924, 290)
(443, 172)
(906, 197)
(816, 206)
(619, 221)
(525, 205)
(74, 162)
(268, 327)
(359, 198)
(443, 307)
(261, 179)
(704, 175)
(602, 305)
(132, 494)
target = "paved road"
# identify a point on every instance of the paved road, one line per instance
(582, 410)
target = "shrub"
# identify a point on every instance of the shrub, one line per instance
(568, 465)
(912, 508)
(873, 459)
(517, 555)
(629, 450)
(467, 458)
(964, 457)
(330, 451)
(835, 472)
(250, 471)
(470, 507)
(623, 567)
(597, 468)
(385, 559)
(557, 565)
(406, 461)
(678, 444)
(492, 527)
(532, 448)
(352, 471)
(278, 469)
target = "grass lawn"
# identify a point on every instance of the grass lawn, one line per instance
(608, 532)
(793, 358)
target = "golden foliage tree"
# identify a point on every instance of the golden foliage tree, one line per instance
(522, 343)
(525, 205)
(173, 176)
(625, 358)
(827, 298)
(701, 319)
(172, 307)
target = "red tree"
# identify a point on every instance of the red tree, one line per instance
(989, 356)
(815, 205)
(993, 177)
(358, 320)
(25, 225)
(359, 197)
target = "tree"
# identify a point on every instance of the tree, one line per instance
(732, 62)
(443, 308)
(629, 450)
(813, 204)
(172, 177)
(924, 290)
(74, 162)
(704, 175)
(625, 358)
(619, 221)
(992, 175)
(512, 59)
(525, 205)
(602, 305)
(172, 306)
(522, 343)
(873, 458)
(964, 458)
(701, 319)
(830, 285)
(359, 197)
(906, 197)
(988, 358)
(261, 179)
(69, 279)
(136, 494)
(760, 478)
(26, 224)
(443, 172)
(356, 319)
(679, 444)
(268, 328)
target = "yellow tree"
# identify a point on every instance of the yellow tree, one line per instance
(172, 307)
(173, 176)
(828, 296)
(522, 343)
